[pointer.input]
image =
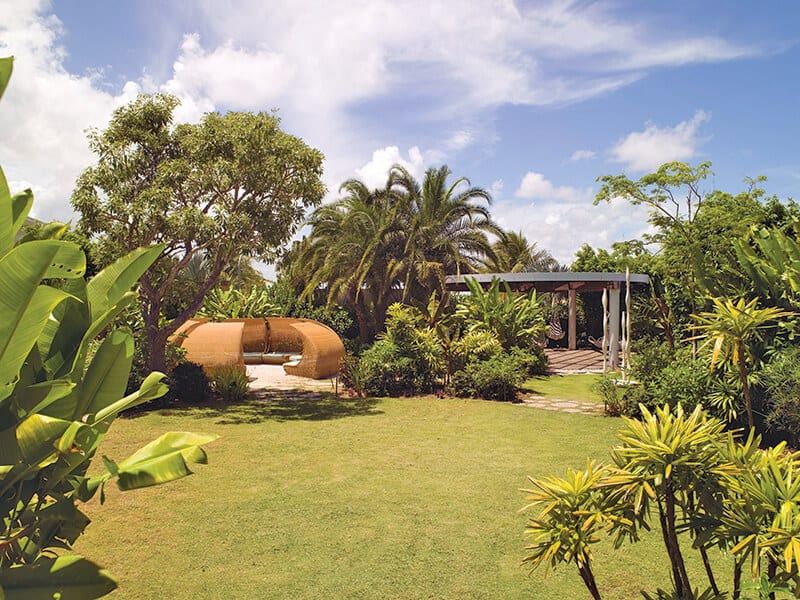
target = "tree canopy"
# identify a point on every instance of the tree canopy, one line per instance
(232, 185)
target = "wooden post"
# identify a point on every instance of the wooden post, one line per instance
(573, 321)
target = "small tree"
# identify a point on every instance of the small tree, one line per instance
(730, 329)
(233, 185)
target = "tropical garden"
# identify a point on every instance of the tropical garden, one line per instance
(407, 484)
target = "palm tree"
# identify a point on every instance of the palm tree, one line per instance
(445, 229)
(513, 253)
(352, 253)
(733, 328)
(372, 247)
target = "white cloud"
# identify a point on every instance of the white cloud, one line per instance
(375, 172)
(496, 189)
(562, 228)
(583, 155)
(46, 110)
(647, 150)
(326, 64)
(536, 186)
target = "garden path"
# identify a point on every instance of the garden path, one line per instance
(584, 407)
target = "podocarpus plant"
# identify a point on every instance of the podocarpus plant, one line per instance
(56, 405)
(700, 482)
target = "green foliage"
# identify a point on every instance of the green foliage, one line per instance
(373, 247)
(57, 403)
(407, 359)
(381, 370)
(573, 511)
(474, 345)
(516, 319)
(772, 263)
(731, 330)
(231, 384)
(220, 304)
(699, 482)
(496, 378)
(231, 186)
(189, 384)
(780, 382)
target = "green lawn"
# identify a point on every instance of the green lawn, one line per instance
(565, 387)
(395, 498)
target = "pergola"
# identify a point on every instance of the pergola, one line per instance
(571, 283)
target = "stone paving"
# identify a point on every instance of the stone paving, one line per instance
(583, 407)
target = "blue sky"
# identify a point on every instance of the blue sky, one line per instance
(533, 100)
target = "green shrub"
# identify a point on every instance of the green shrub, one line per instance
(681, 382)
(382, 370)
(220, 304)
(780, 382)
(496, 378)
(649, 359)
(532, 360)
(408, 359)
(619, 400)
(474, 345)
(231, 384)
(189, 384)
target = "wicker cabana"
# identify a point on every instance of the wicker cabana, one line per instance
(283, 337)
(212, 345)
(322, 351)
(255, 337)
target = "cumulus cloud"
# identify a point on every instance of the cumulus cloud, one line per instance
(327, 66)
(374, 173)
(583, 155)
(562, 228)
(647, 150)
(46, 110)
(537, 186)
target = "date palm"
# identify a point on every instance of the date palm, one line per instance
(731, 329)
(513, 253)
(352, 252)
(445, 228)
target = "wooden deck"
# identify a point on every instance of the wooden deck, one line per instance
(562, 360)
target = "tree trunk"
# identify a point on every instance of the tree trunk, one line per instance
(737, 579)
(586, 574)
(682, 584)
(156, 349)
(748, 401)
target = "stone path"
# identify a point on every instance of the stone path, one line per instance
(582, 407)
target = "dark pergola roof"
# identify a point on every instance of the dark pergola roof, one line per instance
(557, 281)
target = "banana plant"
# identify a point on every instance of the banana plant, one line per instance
(56, 403)
(516, 319)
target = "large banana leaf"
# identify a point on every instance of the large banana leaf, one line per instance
(24, 305)
(108, 287)
(60, 340)
(37, 397)
(151, 389)
(36, 436)
(107, 376)
(18, 334)
(163, 460)
(104, 382)
(97, 326)
(68, 577)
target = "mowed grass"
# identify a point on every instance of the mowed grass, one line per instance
(337, 498)
(565, 387)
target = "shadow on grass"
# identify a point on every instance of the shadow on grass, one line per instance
(282, 405)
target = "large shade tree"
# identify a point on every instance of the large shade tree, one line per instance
(230, 186)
